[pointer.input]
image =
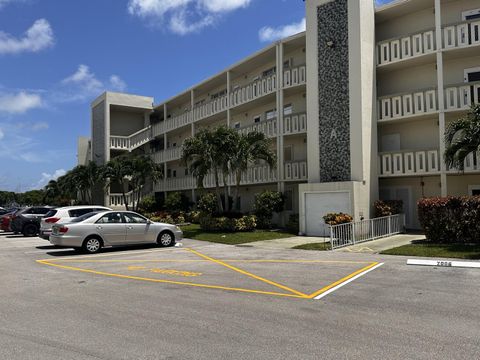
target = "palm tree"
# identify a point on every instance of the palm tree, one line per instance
(52, 192)
(462, 138)
(248, 149)
(143, 169)
(116, 171)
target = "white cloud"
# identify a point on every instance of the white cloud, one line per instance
(20, 102)
(2, 134)
(269, 34)
(83, 85)
(185, 16)
(38, 37)
(46, 177)
(32, 126)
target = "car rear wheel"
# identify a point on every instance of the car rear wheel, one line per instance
(92, 245)
(166, 238)
(30, 230)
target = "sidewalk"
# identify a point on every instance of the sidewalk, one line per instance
(371, 247)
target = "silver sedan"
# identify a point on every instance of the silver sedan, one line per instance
(93, 231)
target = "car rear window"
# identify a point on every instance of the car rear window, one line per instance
(79, 212)
(84, 217)
(51, 213)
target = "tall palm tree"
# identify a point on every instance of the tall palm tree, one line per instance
(52, 192)
(143, 169)
(248, 149)
(116, 171)
(462, 138)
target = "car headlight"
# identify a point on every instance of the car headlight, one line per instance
(178, 228)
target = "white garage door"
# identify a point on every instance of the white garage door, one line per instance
(318, 205)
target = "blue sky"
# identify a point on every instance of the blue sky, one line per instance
(56, 56)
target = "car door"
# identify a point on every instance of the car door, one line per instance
(112, 228)
(138, 229)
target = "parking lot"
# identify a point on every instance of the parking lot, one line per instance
(212, 301)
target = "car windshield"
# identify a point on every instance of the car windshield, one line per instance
(84, 217)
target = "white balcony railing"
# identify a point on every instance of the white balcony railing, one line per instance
(295, 76)
(406, 47)
(268, 127)
(174, 153)
(254, 90)
(408, 104)
(296, 170)
(211, 108)
(131, 142)
(404, 163)
(116, 200)
(294, 123)
(466, 33)
(462, 96)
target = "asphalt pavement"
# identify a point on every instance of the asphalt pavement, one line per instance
(213, 301)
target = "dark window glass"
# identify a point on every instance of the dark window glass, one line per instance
(134, 218)
(51, 213)
(84, 217)
(79, 212)
(111, 218)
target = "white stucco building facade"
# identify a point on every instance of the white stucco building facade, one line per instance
(356, 108)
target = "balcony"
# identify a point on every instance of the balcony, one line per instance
(459, 97)
(295, 76)
(172, 123)
(267, 127)
(254, 90)
(295, 124)
(211, 108)
(405, 105)
(409, 163)
(174, 153)
(116, 200)
(463, 34)
(296, 171)
(130, 143)
(406, 47)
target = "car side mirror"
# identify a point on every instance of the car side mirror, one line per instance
(149, 222)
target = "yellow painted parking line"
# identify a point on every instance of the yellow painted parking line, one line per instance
(168, 281)
(243, 272)
(342, 280)
(299, 261)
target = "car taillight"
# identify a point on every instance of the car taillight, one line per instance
(63, 230)
(52, 220)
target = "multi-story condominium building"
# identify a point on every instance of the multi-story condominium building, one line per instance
(356, 108)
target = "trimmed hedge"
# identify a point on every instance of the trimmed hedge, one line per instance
(224, 224)
(451, 219)
(337, 219)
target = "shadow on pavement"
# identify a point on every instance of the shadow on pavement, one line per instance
(71, 252)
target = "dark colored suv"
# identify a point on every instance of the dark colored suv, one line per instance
(27, 221)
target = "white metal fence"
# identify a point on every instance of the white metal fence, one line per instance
(366, 230)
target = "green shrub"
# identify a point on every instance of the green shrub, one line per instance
(225, 224)
(266, 203)
(148, 204)
(293, 224)
(450, 219)
(337, 219)
(207, 203)
(193, 217)
(176, 202)
(388, 207)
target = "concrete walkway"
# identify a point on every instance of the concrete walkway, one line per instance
(371, 247)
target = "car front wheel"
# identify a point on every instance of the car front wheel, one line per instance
(165, 239)
(92, 245)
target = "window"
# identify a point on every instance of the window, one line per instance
(257, 119)
(286, 64)
(84, 217)
(111, 218)
(288, 109)
(79, 212)
(174, 173)
(169, 173)
(219, 94)
(51, 213)
(474, 190)
(472, 74)
(269, 72)
(271, 114)
(186, 171)
(471, 14)
(288, 153)
(237, 125)
(135, 218)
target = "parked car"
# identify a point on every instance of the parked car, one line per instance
(5, 220)
(27, 221)
(93, 231)
(65, 214)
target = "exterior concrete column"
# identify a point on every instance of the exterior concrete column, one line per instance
(279, 100)
(229, 115)
(441, 96)
(164, 149)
